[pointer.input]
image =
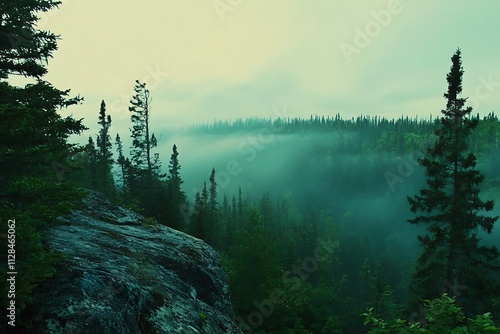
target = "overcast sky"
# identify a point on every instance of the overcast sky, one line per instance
(226, 59)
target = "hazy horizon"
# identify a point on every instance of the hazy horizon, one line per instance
(235, 59)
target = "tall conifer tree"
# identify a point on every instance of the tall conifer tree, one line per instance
(121, 161)
(198, 228)
(453, 260)
(213, 211)
(145, 177)
(91, 162)
(176, 198)
(105, 182)
(142, 141)
(33, 145)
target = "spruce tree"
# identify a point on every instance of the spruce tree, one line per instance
(226, 224)
(145, 186)
(127, 179)
(105, 182)
(213, 192)
(266, 209)
(121, 162)
(225, 208)
(34, 143)
(91, 162)
(197, 227)
(255, 265)
(176, 198)
(174, 167)
(206, 213)
(240, 208)
(453, 260)
(142, 141)
(213, 205)
(234, 215)
(213, 212)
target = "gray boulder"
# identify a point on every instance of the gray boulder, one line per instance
(125, 274)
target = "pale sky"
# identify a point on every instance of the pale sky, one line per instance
(229, 59)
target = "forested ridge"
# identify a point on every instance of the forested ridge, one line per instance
(324, 224)
(344, 190)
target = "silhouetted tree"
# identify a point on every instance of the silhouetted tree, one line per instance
(232, 224)
(176, 198)
(105, 182)
(198, 226)
(266, 209)
(33, 147)
(240, 208)
(255, 263)
(213, 210)
(147, 186)
(142, 141)
(121, 163)
(92, 165)
(452, 260)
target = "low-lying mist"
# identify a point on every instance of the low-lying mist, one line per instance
(327, 172)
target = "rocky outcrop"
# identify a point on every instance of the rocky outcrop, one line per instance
(125, 274)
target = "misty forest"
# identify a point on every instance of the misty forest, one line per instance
(324, 224)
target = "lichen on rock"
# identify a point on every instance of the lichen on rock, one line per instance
(121, 275)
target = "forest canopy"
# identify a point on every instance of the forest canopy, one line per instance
(311, 216)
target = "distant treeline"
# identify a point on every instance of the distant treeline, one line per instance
(392, 135)
(313, 123)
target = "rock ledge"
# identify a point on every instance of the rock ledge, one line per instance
(122, 275)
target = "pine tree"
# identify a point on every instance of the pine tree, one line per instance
(91, 162)
(226, 224)
(213, 211)
(156, 173)
(234, 215)
(366, 284)
(121, 162)
(225, 208)
(255, 263)
(198, 228)
(176, 198)
(207, 229)
(127, 179)
(240, 208)
(213, 194)
(174, 167)
(452, 260)
(142, 142)
(24, 50)
(34, 143)
(105, 182)
(145, 177)
(266, 209)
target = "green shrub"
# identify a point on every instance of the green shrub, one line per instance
(442, 315)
